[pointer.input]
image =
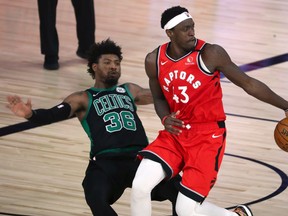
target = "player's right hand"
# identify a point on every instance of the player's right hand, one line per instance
(18, 107)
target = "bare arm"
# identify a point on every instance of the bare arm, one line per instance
(78, 102)
(216, 58)
(170, 122)
(160, 103)
(142, 96)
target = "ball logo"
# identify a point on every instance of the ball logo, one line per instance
(284, 132)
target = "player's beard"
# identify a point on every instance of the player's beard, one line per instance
(112, 78)
(111, 81)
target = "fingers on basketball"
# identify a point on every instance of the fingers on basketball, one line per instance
(281, 134)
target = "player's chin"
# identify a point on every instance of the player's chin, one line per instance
(112, 80)
(190, 44)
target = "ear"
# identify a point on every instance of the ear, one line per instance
(169, 33)
(94, 66)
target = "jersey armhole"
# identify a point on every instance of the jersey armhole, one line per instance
(203, 66)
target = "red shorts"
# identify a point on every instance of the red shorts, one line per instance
(197, 152)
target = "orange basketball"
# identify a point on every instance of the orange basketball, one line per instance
(281, 134)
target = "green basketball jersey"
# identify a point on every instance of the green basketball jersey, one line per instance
(112, 124)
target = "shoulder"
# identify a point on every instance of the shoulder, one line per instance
(80, 94)
(214, 56)
(78, 102)
(77, 97)
(151, 63)
(151, 56)
(133, 88)
(212, 49)
(141, 96)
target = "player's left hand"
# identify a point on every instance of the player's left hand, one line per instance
(172, 124)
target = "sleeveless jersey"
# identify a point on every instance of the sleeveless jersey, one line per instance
(112, 124)
(189, 87)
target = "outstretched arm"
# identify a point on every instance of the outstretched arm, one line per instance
(217, 58)
(73, 104)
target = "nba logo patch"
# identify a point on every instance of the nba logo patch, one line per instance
(120, 90)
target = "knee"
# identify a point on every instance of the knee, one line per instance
(185, 206)
(94, 199)
(139, 189)
(95, 196)
(183, 210)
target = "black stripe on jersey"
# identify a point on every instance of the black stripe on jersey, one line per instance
(199, 63)
(157, 61)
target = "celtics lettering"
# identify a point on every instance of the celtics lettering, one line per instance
(110, 102)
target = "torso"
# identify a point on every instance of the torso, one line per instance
(189, 86)
(112, 124)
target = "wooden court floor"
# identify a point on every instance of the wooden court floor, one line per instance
(41, 169)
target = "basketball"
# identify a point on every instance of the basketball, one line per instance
(281, 134)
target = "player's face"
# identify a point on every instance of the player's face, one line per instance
(108, 69)
(184, 35)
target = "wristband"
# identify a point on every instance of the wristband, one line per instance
(32, 116)
(163, 119)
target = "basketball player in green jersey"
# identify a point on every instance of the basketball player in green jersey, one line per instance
(107, 112)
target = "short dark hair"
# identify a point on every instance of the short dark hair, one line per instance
(97, 49)
(169, 13)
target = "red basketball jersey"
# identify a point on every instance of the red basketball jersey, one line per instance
(189, 87)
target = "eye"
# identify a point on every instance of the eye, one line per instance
(188, 28)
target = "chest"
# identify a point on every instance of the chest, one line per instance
(186, 71)
(111, 102)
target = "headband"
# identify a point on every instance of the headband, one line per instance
(176, 20)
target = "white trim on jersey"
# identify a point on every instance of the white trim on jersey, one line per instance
(202, 65)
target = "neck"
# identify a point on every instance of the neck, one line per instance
(175, 51)
(102, 85)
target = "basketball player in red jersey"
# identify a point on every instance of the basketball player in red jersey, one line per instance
(184, 77)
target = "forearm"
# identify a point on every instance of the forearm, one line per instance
(161, 107)
(54, 114)
(262, 92)
(169, 120)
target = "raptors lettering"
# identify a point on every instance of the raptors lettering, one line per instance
(189, 78)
